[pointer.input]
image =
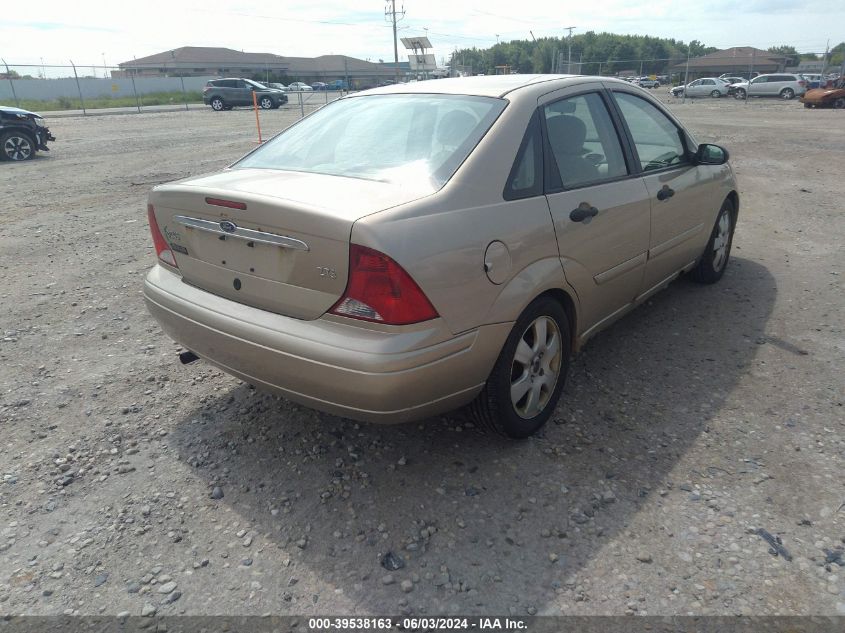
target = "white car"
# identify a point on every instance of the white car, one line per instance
(784, 85)
(298, 86)
(647, 82)
(704, 87)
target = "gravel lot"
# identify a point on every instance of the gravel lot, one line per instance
(703, 417)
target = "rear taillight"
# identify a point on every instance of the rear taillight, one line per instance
(802, 83)
(380, 290)
(162, 247)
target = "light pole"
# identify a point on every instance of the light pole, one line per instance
(105, 70)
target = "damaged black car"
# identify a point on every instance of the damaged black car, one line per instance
(22, 134)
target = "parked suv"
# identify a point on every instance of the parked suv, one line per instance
(224, 94)
(783, 85)
(647, 82)
(22, 134)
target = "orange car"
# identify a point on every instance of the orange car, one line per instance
(826, 97)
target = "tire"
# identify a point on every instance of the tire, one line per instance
(713, 262)
(740, 93)
(17, 146)
(807, 105)
(217, 104)
(265, 103)
(787, 93)
(715, 94)
(532, 371)
(839, 103)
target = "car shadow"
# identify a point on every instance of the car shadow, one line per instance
(475, 518)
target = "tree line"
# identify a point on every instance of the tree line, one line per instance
(595, 54)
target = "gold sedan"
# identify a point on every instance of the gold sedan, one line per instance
(412, 249)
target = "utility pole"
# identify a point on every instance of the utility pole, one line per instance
(390, 15)
(569, 60)
(824, 65)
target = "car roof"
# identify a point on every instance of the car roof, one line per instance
(487, 85)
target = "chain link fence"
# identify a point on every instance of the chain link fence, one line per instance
(96, 89)
(73, 89)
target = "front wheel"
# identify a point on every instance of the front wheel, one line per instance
(739, 94)
(265, 103)
(787, 93)
(217, 104)
(839, 104)
(715, 94)
(16, 146)
(528, 377)
(714, 260)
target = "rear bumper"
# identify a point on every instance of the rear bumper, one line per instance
(332, 364)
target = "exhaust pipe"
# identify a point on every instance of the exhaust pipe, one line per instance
(188, 357)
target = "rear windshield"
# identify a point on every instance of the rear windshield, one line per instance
(418, 139)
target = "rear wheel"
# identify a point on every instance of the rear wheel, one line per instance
(265, 103)
(16, 146)
(715, 94)
(528, 377)
(714, 260)
(217, 104)
(787, 94)
(839, 103)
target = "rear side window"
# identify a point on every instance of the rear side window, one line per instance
(526, 177)
(657, 139)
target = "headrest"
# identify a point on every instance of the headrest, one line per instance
(567, 133)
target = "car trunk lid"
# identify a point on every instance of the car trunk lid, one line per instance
(274, 240)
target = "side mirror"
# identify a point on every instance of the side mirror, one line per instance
(710, 154)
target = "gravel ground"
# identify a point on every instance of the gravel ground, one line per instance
(694, 428)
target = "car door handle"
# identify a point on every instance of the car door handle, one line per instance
(665, 193)
(584, 211)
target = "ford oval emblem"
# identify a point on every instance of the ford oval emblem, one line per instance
(228, 227)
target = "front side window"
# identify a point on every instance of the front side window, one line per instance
(583, 142)
(417, 140)
(656, 138)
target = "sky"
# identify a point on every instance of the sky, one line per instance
(102, 32)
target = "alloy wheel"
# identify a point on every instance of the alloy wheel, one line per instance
(17, 148)
(536, 367)
(722, 240)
